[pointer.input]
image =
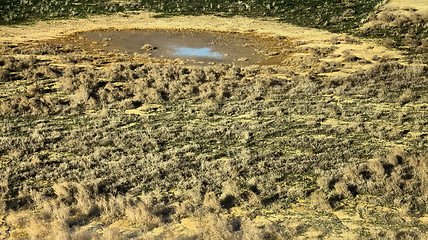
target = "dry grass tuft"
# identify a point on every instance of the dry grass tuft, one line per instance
(320, 202)
(142, 215)
(211, 202)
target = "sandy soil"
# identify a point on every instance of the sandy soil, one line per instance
(309, 43)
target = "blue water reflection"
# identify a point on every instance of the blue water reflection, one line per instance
(197, 52)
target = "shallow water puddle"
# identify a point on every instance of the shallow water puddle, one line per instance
(196, 52)
(202, 47)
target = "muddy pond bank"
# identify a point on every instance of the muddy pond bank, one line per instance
(189, 46)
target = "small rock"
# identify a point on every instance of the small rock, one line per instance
(279, 37)
(148, 47)
(243, 59)
(273, 53)
(122, 14)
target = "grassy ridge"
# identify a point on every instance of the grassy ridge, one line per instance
(331, 14)
(22, 11)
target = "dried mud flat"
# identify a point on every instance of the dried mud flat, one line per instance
(328, 140)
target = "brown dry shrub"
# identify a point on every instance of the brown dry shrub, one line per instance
(59, 230)
(64, 191)
(376, 166)
(8, 62)
(399, 178)
(342, 189)
(350, 174)
(85, 234)
(209, 106)
(34, 89)
(349, 57)
(254, 200)
(401, 21)
(407, 96)
(85, 201)
(304, 85)
(66, 84)
(319, 201)
(217, 227)
(113, 233)
(387, 234)
(207, 90)
(25, 105)
(211, 202)
(81, 95)
(410, 40)
(4, 190)
(36, 229)
(113, 207)
(386, 17)
(302, 63)
(154, 95)
(142, 215)
(250, 231)
(4, 75)
(184, 209)
(230, 188)
(389, 43)
(18, 219)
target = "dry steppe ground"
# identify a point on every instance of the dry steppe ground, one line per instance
(330, 143)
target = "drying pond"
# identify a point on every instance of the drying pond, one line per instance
(191, 46)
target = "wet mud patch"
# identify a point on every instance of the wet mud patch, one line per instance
(190, 46)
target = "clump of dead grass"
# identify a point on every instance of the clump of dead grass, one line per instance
(394, 179)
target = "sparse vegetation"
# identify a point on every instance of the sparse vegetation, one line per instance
(332, 15)
(18, 11)
(404, 29)
(153, 144)
(109, 146)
